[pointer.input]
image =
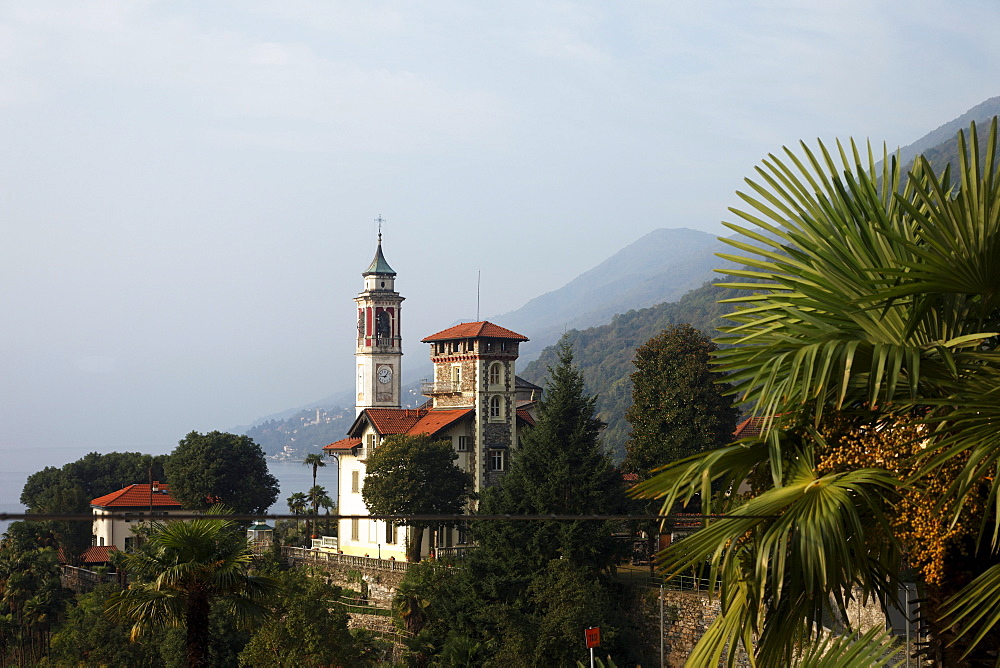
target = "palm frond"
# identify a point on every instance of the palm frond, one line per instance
(874, 649)
(975, 609)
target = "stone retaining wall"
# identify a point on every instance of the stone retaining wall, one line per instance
(376, 585)
(371, 622)
(686, 617)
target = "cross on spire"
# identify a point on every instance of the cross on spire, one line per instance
(379, 221)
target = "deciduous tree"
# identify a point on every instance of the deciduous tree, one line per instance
(415, 475)
(309, 627)
(218, 467)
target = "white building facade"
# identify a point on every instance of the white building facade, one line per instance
(141, 502)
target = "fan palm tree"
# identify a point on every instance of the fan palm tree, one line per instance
(297, 505)
(327, 504)
(316, 495)
(181, 569)
(315, 460)
(870, 350)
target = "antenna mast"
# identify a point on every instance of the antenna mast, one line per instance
(479, 275)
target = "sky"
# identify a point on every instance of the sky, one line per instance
(188, 190)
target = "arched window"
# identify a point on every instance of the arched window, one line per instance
(495, 371)
(496, 406)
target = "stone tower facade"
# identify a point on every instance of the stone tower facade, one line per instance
(474, 368)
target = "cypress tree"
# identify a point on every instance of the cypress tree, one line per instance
(678, 408)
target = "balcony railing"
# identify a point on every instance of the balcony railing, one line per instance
(429, 389)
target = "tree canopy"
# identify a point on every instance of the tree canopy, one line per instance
(309, 627)
(678, 406)
(870, 350)
(221, 468)
(415, 475)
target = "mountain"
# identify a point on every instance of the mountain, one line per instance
(659, 267)
(932, 142)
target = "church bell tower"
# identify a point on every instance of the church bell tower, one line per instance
(379, 344)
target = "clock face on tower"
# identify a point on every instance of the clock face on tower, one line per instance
(384, 374)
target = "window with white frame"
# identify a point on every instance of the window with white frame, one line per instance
(496, 406)
(456, 375)
(390, 533)
(355, 481)
(463, 443)
(371, 443)
(497, 460)
(495, 371)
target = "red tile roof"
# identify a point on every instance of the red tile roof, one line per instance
(389, 421)
(100, 554)
(344, 444)
(437, 420)
(749, 428)
(526, 416)
(473, 330)
(137, 496)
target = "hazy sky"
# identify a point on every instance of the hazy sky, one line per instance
(187, 189)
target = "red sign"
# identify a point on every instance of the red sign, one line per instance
(593, 637)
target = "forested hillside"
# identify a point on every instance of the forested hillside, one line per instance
(605, 353)
(306, 431)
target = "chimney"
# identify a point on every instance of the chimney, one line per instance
(156, 486)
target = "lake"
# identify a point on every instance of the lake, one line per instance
(19, 463)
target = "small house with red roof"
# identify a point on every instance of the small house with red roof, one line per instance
(139, 503)
(475, 401)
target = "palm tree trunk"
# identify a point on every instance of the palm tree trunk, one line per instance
(198, 636)
(947, 647)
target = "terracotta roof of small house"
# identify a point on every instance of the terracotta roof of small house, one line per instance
(474, 330)
(523, 414)
(343, 444)
(749, 428)
(138, 496)
(97, 554)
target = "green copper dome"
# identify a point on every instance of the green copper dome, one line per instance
(379, 265)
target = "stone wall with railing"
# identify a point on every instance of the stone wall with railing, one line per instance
(377, 579)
